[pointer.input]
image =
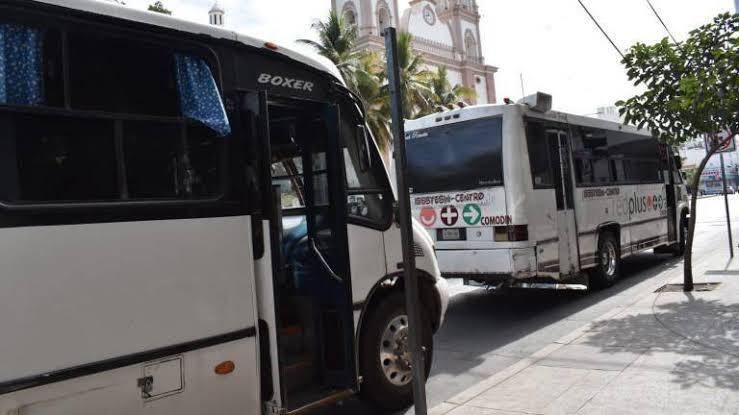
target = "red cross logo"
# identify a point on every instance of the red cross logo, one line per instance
(449, 215)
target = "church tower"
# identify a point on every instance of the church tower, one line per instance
(463, 17)
(216, 15)
(446, 32)
(371, 17)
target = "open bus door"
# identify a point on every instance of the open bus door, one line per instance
(669, 169)
(559, 142)
(311, 318)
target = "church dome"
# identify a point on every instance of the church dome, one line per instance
(217, 8)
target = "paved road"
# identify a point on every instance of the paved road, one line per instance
(486, 332)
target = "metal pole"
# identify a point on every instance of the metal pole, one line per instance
(412, 299)
(726, 202)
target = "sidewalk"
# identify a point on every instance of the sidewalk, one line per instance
(667, 353)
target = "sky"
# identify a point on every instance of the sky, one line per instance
(553, 44)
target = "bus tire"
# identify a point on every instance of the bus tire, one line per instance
(386, 376)
(680, 247)
(609, 261)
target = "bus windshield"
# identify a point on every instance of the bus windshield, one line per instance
(460, 156)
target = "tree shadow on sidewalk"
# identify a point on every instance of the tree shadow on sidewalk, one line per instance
(695, 339)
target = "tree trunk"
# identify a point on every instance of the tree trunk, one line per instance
(688, 265)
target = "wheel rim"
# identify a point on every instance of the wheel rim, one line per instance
(395, 356)
(608, 259)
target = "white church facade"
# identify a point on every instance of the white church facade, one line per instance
(446, 32)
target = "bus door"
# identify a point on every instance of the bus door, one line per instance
(669, 173)
(309, 251)
(566, 223)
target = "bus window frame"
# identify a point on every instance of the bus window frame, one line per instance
(357, 113)
(66, 24)
(547, 127)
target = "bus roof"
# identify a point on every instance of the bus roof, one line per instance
(492, 110)
(114, 9)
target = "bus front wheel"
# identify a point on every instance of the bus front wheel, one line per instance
(609, 261)
(385, 359)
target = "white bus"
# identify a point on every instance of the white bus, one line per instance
(192, 221)
(521, 195)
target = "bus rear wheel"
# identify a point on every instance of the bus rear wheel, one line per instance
(609, 261)
(385, 360)
(684, 229)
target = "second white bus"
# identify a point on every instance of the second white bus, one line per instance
(521, 195)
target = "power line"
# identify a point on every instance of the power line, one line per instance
(601, 29)
(663, 23)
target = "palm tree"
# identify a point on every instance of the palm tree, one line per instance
(337, 40)
(444, 95)
(414, 77)
(370, 78)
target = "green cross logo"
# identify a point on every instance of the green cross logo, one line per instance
(472, 214)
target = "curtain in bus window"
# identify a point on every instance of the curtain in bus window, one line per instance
(199, 96)
(21, 74)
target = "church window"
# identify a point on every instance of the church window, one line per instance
(470, 45)
(350, 14)
(350, 18)
(383, 17)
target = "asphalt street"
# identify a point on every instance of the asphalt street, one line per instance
(485, 332)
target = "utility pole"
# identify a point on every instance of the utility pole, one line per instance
(726, 202)
(412, 298)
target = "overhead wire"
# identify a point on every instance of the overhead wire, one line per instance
(601, 29)
(651, 6)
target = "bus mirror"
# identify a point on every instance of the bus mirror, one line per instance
(363, 147)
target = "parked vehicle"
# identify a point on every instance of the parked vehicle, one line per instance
(176, 237)
(519, 195)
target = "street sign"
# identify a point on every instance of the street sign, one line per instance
(714, 140)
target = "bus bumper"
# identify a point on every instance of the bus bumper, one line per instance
(488, 264)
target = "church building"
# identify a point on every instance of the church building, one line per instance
(446, 32)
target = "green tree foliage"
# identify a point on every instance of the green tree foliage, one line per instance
(365, 75)
(336, 41)
(691, 89)
(415, 79)
(443, 95)
(158, 7)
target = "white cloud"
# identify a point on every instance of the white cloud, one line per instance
(552, 42)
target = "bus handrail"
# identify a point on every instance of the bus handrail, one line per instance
(323, 261)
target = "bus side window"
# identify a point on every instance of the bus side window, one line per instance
(121, 75)
(540, 156)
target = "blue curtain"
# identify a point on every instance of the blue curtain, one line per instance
(21, 70)
(199, 96)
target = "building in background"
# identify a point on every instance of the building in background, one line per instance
(711, 180)
(447, 32)
(217, 15)
(610, 113)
